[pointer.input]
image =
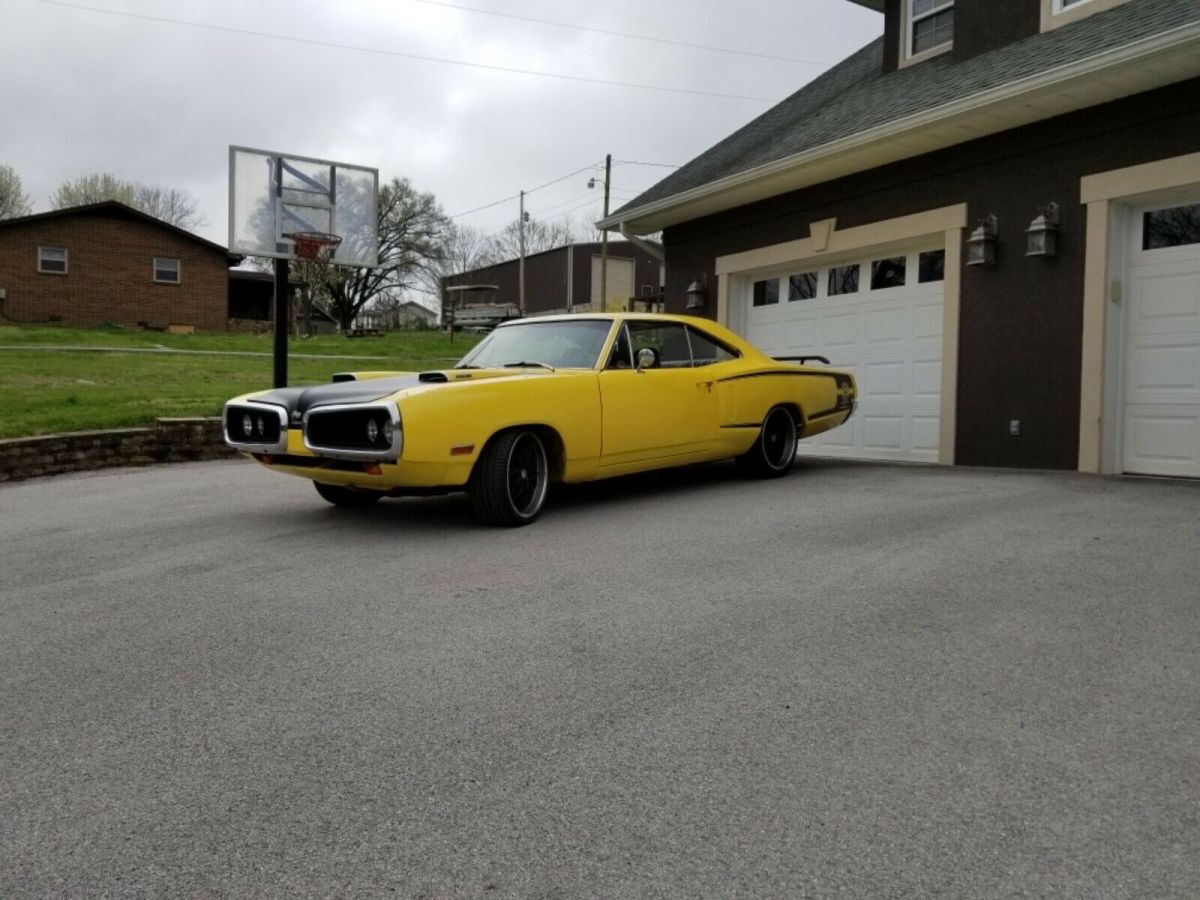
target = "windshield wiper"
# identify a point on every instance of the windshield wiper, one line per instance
(528, 365)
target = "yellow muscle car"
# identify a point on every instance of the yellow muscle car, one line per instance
(543, 400)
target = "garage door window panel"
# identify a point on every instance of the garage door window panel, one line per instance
(888, 273)
(1176, 226)
(843, 280)
(931, 266)
(766, 293)
(802, 286)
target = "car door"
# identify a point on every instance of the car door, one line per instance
(659, 412)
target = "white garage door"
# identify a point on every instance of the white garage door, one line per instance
(1161, 383)
(618, 286)
(879, 316)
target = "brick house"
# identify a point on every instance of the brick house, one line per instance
(106, 262)
(893, 215)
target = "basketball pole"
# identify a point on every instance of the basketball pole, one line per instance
(283, 317)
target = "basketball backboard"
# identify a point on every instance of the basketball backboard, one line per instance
(272, 195)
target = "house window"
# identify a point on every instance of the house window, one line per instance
(52, 260)
(766, 292)
(1060, 5)
(802, 286)
(166, 270)
(843, 280)
(931, 266)
(930, 25)
(888, 273)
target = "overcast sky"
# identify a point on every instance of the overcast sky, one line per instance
(113, 86)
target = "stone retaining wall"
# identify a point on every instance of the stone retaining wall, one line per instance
(168, 440)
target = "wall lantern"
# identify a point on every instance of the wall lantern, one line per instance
(696, 294)
(1041, 237)
(981, 245)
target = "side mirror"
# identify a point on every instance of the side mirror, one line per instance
(646, 358)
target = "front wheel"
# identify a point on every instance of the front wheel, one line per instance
(509, 484)
(348, 497)
(773, 452)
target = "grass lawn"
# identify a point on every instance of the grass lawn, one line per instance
(44, 392)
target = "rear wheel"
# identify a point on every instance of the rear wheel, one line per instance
(348, 497)
(509, 484)
(773, 452)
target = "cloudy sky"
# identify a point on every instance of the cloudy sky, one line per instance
(436, 91)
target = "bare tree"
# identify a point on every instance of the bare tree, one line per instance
(174, 206)
(539, 236)
(412, 229)
(13, 199)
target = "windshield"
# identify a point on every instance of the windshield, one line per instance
(559, 345)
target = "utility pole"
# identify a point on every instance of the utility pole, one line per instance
(521, 270)
(604, 238)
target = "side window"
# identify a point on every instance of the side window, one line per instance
(621, 356)
(668, 340)
(52, 260)
(166, 270)
(706, 351)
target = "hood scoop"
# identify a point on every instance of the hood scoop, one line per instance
(433, 377)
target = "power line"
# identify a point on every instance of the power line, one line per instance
(622, 34)
(527, 193)
(632, 162)
(227, 29)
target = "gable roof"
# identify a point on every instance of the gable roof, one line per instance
(855, 116)
(113, 209)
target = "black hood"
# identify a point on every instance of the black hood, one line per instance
(299, 400)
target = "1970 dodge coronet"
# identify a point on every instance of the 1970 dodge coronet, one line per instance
(542, 400)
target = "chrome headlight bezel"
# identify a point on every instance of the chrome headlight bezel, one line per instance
(388, 451)
(255, 408)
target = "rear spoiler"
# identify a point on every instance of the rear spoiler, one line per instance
(801, 359)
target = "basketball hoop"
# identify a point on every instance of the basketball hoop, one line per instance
(314, 244)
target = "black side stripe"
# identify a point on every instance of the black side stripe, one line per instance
(785, 374)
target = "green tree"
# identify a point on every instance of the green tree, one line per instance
(13, 199)
(174, 206)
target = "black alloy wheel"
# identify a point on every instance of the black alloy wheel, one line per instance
(511, 478)
(773, 452)
(348, 497)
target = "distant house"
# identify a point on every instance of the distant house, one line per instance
(565, 279)
(107, 262)
(252, 305)
(404, 316)
(991, 213)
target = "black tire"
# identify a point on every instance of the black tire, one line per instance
(511, 478)
(775, 449)
(348, 497)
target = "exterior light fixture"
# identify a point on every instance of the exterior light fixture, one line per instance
(981, 245)
(1041, 237)
(695, 294)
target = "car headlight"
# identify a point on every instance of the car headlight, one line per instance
(262, 426)
(389, 431)
(247, 425)
(372, 431)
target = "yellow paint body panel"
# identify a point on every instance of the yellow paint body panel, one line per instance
(595, 422)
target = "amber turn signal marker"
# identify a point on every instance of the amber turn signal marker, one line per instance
(372, 469)
(462, 449)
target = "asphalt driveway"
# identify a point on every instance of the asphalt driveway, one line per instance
(859, 681)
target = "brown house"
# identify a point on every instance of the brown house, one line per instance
(991, 214)
(106, 262)
(565, 279)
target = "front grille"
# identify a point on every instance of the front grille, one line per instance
(265, 425)
(347, 430)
